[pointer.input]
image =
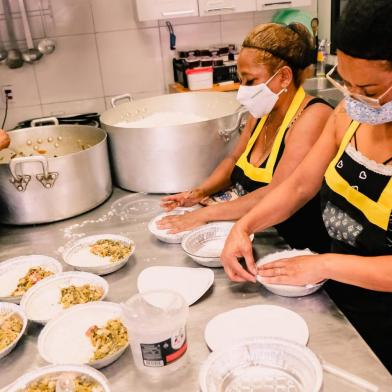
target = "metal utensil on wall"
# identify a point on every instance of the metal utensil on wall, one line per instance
(14, 58)
(46, 45)
(31, 54)
(3, 51)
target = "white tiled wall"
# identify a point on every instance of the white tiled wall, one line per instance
(103, 51)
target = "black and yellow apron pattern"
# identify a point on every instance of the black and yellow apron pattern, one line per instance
(357, 207)
(264, 173)
(305, 229)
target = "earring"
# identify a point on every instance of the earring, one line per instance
(285, 90)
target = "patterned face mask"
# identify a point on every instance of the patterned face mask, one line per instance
(366, 114)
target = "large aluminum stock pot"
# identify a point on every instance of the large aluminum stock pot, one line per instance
(51, 173)
(163, 158)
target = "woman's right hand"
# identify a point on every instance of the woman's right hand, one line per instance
(183, 199)
(238, 245)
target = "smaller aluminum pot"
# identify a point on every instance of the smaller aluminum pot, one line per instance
(52, 173)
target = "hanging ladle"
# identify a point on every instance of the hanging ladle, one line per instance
(14, 57)
(3, 52)
(46, 45)
(31, 54)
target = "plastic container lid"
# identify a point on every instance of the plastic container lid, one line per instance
(198, 70)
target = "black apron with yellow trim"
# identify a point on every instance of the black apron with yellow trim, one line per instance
(359, 221)
(305, 229)
(264, 174)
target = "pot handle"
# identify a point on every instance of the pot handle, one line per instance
(227, 132)
(21, 180)
(47, 120)
(114, 100)
(347, 376)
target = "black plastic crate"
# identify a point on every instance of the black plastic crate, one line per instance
(221, 73)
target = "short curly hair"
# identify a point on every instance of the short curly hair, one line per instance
(365, 30)
(280, 45)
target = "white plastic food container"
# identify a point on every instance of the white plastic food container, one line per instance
(199, 78)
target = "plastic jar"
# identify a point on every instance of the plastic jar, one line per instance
(156, 321)
(192, 60)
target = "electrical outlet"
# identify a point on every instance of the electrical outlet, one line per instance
(7, 91)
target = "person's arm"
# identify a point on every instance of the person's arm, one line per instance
(4, 139)
(219, 178)
(300, 139)
(282, 202)
(373, 273)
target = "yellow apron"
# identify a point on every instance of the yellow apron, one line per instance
(377, 212)
(265, 174)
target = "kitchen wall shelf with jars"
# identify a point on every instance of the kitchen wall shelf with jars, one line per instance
(164, 9)
(220, 59)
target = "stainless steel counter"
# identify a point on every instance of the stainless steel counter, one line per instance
(331, 336)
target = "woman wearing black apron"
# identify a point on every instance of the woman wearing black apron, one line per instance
(273, 65)
(352, 164)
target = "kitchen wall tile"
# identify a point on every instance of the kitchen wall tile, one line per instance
(130, 61)
(263, 16)
(69, 17)
(103, 50)
(197, 35)
(237, 16)
(234, 31)
(24, 86)
(71, 72)
(121, 15)
(19, 114)
(266, 16)
(74, 107)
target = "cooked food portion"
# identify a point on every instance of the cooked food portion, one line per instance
(10, 327)
(34, 275)
(48, 384)
(116, 250)
(74, 295)
(108, 339)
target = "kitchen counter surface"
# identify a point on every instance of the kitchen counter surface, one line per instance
(331, 336)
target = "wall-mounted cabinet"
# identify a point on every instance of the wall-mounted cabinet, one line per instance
(169, 9)
(222, 7)
(166, 9)
(264, 5)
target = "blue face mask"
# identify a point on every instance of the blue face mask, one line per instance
(366, 114)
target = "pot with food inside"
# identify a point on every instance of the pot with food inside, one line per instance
(50, 173)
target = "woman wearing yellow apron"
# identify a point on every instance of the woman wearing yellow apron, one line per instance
(272, 65)
(352, 163)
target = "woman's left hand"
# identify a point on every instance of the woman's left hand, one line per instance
(178, 223)
(4, 139)
(299, 270)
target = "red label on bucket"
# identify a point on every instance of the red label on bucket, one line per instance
(165, 352)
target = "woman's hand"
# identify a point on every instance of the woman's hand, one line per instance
(238, 244)
(183, 199)
(300, 271)
(4, 139)
(177, 223)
